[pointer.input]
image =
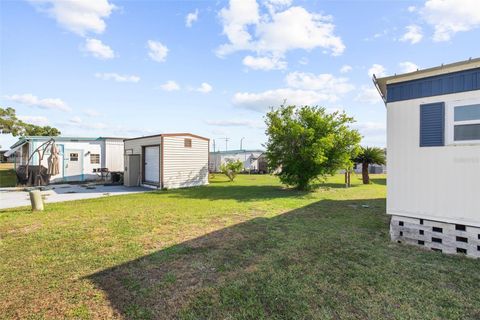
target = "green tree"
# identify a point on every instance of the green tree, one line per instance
(10, 124)
(231, 168)
(306, 144)
(368, 156)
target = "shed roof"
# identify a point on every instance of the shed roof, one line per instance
(381, 83)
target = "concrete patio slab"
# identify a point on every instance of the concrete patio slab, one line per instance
(14, 197)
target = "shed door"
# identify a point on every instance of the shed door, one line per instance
(152, 164)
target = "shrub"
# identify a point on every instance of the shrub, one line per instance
(231, 169)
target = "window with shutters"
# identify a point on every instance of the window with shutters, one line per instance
(432, 124)
(466, 125)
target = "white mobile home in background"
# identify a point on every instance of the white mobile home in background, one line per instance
(81, 158)
(433, 143)
(249, 158)
(170, 161)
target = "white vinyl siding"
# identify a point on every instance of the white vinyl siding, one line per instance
(185, 166)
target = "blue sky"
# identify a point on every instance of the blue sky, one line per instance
(132, 68)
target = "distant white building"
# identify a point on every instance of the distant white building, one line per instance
(81, 159)
(433, 143)
(249, 158)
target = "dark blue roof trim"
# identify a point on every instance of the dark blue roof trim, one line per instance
(454, 82)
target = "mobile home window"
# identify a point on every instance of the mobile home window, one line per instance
(73, 156)
(187, 143)
(466, 123)
(94, 158)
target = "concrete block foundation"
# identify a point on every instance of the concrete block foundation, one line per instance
(445, 237)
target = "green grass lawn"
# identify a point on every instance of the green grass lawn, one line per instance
(243, 250)
(8, 178)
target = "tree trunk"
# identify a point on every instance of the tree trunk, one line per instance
(365, 176)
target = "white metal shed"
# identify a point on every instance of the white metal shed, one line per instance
(172, 160)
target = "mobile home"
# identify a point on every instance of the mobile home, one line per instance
(249, 159)
(433, 143)
(174, 160)
(81, 159)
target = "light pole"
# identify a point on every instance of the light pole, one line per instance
(244, 153)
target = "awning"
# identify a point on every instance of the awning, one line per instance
(13, 150)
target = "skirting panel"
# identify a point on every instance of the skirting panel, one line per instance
(439, 236)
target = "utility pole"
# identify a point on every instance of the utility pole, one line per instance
(214, 169)
(226, 143)
(241, 145)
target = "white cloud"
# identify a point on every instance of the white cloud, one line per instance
(370, 127)
(236, 123)
(451, 16)
(170, 86)
(29, 99)
(368, 94)
(92, 113)
(157, 51)
(301, 89)
(346, 68)
(273, 98)
(264, 63)
(235, 20)
(412, 9)
(274, 33)
(204, 88)
(303, 61)
(324, 83)
(77, 16)
(408, 66)
(374, 133)
(191, 18)
(76, 120)
(98, 49)
(117, 77)
(37, 120)
(413, 34)
(275, 5)
(376, 69)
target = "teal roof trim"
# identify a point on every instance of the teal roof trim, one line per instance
(60, 138)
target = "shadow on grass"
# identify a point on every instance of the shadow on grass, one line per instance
(381, 181)
(260, 268)
(236, 192)
(224, 190)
